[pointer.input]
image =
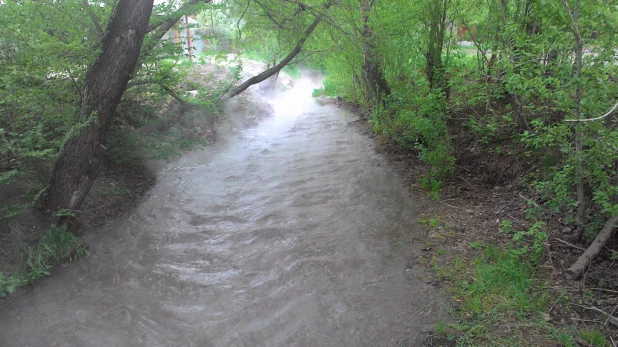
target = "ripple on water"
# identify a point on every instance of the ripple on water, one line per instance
(280, 237)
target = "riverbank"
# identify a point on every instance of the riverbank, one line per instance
(498, 253)
(30, 248)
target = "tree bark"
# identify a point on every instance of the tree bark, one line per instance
(80, 161)
(276, 68)
(377, 86)
(437, 30)
(577, 269)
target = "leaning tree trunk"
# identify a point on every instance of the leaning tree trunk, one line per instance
(80, 161)
(583, 262)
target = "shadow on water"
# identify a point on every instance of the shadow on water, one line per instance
(281, 234)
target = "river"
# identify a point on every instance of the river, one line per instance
(283, 234)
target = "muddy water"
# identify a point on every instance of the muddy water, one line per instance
(280, 235)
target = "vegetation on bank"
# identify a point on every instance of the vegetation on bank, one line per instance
(56, 246)
(47, 54)
(532, 90)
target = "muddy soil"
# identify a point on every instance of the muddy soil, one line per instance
(287, 233)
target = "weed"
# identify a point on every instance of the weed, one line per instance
(506, 226)
(441, 328)
(497, 286)
(428, 245)
(431, 222)
(431, 185)
(476, 245)
(564, 338)
(11, 210)
(531, 242)
(55, 246)
(594, 338)
(8, 284)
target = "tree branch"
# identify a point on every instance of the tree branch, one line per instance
(167, 89)
(577, 269)
(93, 17)
(273, 70)
(593, 119)
(159, 28)
(240, 19)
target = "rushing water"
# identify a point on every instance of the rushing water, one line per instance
(281, 235)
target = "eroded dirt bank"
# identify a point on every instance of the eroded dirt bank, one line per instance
(288, 233)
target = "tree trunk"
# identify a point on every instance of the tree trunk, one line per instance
(437, 30)
(80, 161)
(577, 269)
(377, 86)
(579, 127)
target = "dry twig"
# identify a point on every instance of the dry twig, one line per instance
(610, 318)
(569, 244)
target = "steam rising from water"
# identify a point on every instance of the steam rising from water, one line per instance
(297, 100)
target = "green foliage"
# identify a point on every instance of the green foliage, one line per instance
(530, 243)
(11, 210)
(56, 246)
(506, 226)
(594, 338)
(46, 54)
(329, 88)
(565, 338)
(431, 222)
(8, 285)
(500, 286)
(424, 130)
(431, 185)
(123, 148)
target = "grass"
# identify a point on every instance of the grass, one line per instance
(502, 282)
(499, 300)
(56, 246)
(594, 338)
(431, 185)
(565, 338)
(431, 222)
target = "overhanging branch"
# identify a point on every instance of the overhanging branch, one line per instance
(273, 70)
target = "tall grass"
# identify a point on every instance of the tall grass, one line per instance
(56, 246)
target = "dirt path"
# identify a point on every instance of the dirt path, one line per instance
(283, 234)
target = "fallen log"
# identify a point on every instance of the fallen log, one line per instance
(577, 269)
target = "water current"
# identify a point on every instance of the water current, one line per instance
(278, 235)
